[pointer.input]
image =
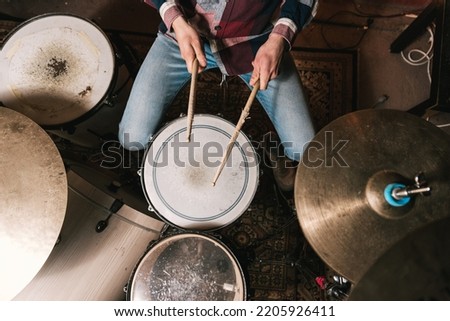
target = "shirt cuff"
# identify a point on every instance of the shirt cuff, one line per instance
(287, 29)
(169, 12)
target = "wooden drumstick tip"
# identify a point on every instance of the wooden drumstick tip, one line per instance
(213, 183)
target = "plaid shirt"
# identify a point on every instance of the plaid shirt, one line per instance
(235, 29)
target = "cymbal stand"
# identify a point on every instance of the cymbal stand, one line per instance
(337, 289)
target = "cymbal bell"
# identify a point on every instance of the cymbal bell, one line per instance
(415, 268)
(349, 175)
(33, 198)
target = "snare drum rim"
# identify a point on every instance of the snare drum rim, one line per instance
(142, 176)
(152, 244)
(70, 124)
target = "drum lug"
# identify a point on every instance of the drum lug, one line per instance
(111, 101)
(165, 229)
(139, 172)
(58, 240)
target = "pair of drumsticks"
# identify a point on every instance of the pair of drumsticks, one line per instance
(244, 115)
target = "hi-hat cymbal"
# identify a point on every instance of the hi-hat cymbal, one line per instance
(416, 268)
(343, 192)
(33, 198)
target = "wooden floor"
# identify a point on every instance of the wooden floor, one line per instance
(85, 264)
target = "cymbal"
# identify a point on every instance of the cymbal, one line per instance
(33, 198)
(346, 171)
(417, 268)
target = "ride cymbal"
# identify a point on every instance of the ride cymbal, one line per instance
(363, 185)
(33, 198)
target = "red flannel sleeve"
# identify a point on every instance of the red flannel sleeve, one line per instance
(168, 10)
(294, 16)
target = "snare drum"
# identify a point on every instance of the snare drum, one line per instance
(187, 267)
(177, 175)
(56, 69)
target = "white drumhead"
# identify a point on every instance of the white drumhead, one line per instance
(55, 68)
(177, 176)
(188, 267)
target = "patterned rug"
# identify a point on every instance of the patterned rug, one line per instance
(330, 79)
(278, 262)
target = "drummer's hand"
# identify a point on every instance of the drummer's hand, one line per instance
(190, 44)
(267, 61)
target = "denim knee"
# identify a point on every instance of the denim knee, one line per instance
(132, 141)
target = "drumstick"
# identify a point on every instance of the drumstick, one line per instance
(241, 122)
(192, 96)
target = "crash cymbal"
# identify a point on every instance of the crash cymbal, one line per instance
(417, 268)
(33, 198)
(357, 189)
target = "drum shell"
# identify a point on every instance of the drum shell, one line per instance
(60, 88)
(86, 265)
(209, 292)
(231, 209)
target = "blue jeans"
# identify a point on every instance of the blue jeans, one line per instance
(163, 74)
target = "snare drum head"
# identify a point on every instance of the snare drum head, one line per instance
(188, 267)
(177, 176)
(55, 68)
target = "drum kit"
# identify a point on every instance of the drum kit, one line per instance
(59, 75)
(370, 193)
